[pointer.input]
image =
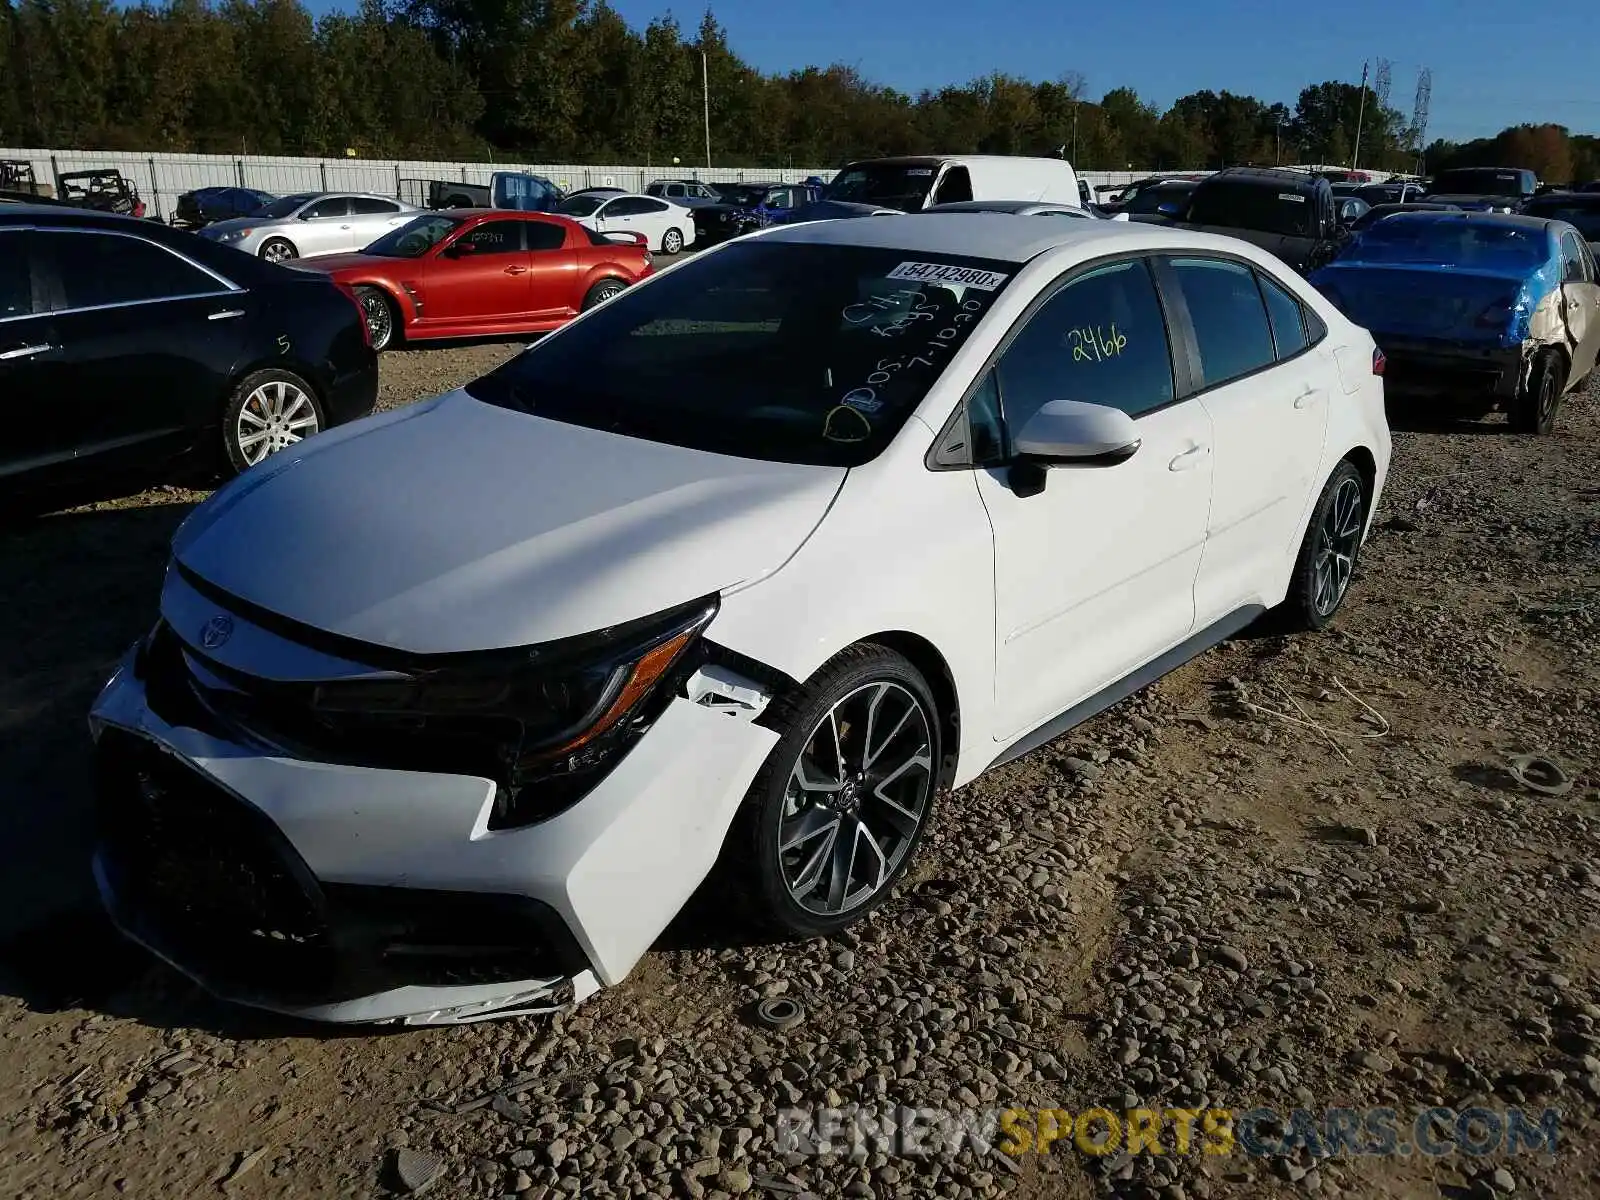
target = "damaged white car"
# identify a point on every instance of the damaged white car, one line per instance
(449, 712)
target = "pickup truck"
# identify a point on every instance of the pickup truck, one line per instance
(505, 189)
(1289, 213)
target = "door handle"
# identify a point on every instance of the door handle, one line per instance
(226, 314)
(344, 227)
(516, 270)
(25, 351)
(1190, 459)
(1306, 397)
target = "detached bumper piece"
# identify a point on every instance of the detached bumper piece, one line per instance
(206, 882)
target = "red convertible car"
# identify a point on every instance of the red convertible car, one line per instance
(481, 273)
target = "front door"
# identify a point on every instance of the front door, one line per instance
(1580, 296)
(324, 228)
(39, 435)
(148, 342)
(481, 276)
(1270, 418)
(1094, 576)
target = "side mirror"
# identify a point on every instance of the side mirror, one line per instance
(460, 249)
(1070, 433)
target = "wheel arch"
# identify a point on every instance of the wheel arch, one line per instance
(1364, 461)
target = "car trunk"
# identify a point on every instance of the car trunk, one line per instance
(1422, 301)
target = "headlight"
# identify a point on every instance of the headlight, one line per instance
(234, 235)
(547, 723)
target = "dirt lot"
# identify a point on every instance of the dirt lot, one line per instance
(1295, 874)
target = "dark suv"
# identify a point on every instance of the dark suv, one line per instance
(1288, 213)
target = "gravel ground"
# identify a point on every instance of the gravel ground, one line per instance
(1294, 874)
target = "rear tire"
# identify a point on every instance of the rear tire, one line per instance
(278, 250)
(671, 242)
(601, 292)
(382, 317)
(269, 411)
(1329, 552)
(1534, 409)
(835, 815)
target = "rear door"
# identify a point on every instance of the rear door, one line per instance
(481, 276)
(371, 217)
(148, 341)
(39, 437)
(1580, 296)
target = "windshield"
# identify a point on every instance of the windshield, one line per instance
(1268, 208)
(1450, 243)
(1586, 217)
(745, 197)
(581, 206)
(891, 185)
(285, 207)
(787, 352)
(1152, 196)
(416, 238)
(1480, 181)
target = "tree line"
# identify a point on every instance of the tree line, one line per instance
(570, 81)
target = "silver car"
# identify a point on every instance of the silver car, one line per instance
(311, 223)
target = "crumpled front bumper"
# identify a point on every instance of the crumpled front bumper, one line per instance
(377, 851)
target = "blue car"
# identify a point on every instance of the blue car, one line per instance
(1487, 309)
(747, 206)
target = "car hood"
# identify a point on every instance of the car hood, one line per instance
(233, 224)
(1474, 202)
(333, 264)
(457, 525)
(834, 210)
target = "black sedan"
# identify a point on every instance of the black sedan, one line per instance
(132, 346)
(202, 206)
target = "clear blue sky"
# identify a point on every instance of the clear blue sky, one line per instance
(1494, 63)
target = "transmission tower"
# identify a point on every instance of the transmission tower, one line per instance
(1380, 85)
(1419, 115)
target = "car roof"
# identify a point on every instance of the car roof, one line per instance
(997, 236)
(1004, 206)
(1569, 199)
(1277, 175)
(513, 213)
(67, 214)
(1505, 220)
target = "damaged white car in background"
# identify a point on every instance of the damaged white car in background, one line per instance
(450, 711)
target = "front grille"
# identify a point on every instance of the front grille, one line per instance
(211, 882)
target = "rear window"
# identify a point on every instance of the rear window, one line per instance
(1450, 242)
(1483, 181)
(1268, 208)
(787, 352)
(1585, 217)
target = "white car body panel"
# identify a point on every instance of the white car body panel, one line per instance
(457, 526)
(654, 225)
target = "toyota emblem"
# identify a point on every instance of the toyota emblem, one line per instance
(216, 631)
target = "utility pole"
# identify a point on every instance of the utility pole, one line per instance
(705, 88)
(1074, 133)
(1361, 112)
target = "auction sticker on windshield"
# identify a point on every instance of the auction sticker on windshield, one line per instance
(973, 277)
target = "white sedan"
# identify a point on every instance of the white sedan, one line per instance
(754, 561)
(666, 226)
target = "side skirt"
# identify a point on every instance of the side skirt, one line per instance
(1192, 647)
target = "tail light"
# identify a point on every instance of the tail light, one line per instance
(349, 294)
(1379, 361)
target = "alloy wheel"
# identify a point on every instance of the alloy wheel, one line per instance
(671, 242)
(277, 414)
(380, 321)
(856, 799)
(277, 251)
(1338, 540)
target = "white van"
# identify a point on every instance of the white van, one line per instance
(915, 182)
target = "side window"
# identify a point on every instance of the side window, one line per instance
(985, 432)
(495, 237)
(956, 185)
(1286, 317)
(1572, 264)
(371, 206)
(647, 207)
(333, 206)
(16, 288)
(94, 268)
(1589, 263)
(626, 207)
(544, 235)
(1230, 321)
(673, 189)
(1100, 339)
(704, 193)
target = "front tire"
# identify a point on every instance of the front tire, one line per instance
(1330, 550)
(1534, 410)
(277, 250)
(836, 813)
(383, 320)
(671, 242)
(269, 411)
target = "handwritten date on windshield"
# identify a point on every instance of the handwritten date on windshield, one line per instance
(1096, 343)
